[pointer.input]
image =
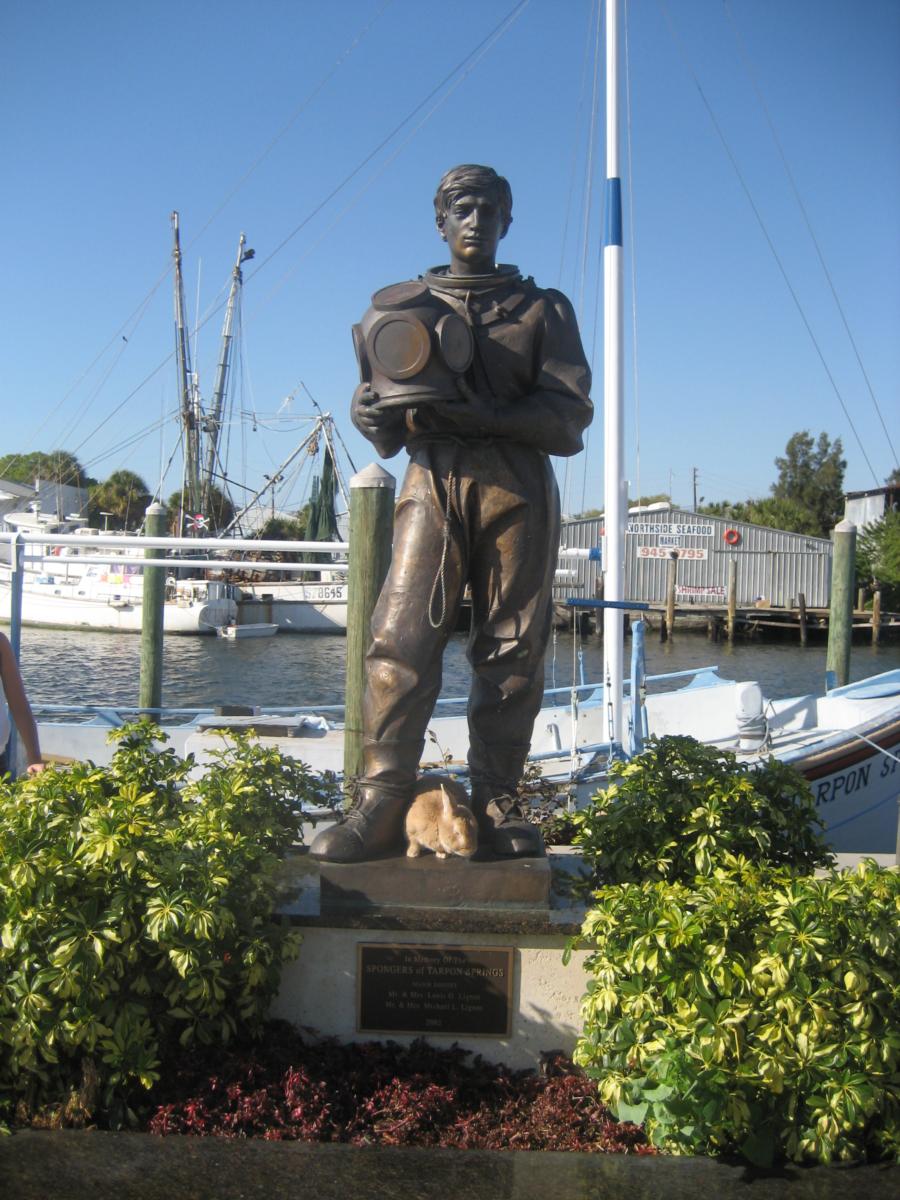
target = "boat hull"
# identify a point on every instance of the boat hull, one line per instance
(296, 607)
(847, 746)
(115, 613)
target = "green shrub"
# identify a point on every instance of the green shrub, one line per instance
(679, 808)
(136, 915)
(752, 1010)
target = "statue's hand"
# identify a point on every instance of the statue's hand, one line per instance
(472, 413)
(384, 428)
(369, 421)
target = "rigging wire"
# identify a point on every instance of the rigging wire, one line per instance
(138, 313)
(742, 48)
(335, 429)
(463, 68)
(466, 64)
(298, 112)
(501, 27)
(635, 388)
(765, 232)
(575, 146)
(587, 229)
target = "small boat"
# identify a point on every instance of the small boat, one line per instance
(258, 629)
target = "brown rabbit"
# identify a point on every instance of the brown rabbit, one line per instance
(440, 819)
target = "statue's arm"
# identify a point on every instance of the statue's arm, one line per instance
(385, 429)
(555, 413)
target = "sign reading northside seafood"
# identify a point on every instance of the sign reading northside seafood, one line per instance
(670, 529)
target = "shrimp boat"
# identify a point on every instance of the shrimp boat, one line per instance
(77, 578)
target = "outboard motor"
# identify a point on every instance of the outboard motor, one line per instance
(753, 728)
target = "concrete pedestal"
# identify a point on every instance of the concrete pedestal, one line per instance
(453, 904)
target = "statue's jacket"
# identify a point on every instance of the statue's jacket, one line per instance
(526, 344)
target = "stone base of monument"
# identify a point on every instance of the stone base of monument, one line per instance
(498, 885)
(456, 951)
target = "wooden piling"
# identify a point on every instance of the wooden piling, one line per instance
(668, 629)
(876, 616)
(16, 582)
(371, 533)
(152, 614)
(840, 620)
(801, 607)
(732, 598)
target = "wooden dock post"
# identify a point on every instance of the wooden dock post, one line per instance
(371, 533)
(152, 614)
(840, 620)
(801, 608)
(16, 581)
(876, 616)
(732, 598)
(668, 629)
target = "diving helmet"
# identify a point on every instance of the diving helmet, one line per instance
(412, 346)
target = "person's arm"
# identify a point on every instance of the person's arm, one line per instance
(19, 708)
(385, 429)
(554, 413)
(552, 421)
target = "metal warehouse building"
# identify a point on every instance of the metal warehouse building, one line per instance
(771, 565)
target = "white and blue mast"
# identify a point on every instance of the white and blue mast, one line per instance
(615, 501)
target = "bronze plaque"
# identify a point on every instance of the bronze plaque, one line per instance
(434, 989)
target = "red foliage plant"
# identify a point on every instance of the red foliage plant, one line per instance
(381, 1093)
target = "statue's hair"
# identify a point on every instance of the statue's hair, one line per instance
(472, 178)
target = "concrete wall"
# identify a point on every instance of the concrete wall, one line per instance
(319, 991)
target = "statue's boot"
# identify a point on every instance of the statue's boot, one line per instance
(373, 827)
(502, 826)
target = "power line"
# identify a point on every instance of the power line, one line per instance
(762, 225)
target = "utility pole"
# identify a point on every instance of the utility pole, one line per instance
(694, 474)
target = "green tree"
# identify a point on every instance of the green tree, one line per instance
(59, 466)
(878, 558)
(221, 510)
(811, 475)
(776, 512)
(284, 529)
(124, 496)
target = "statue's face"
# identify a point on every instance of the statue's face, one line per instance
(473, 227)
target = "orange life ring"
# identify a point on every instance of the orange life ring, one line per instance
(732, 537)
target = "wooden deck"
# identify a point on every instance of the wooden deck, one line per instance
(766, 622)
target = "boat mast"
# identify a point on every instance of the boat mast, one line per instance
(614, 482)
(190, 400)
(212, 425)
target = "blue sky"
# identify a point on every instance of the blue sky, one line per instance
(249, 117)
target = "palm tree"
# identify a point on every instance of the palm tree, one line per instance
(123, 498)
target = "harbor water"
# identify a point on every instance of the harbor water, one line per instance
(77, 667)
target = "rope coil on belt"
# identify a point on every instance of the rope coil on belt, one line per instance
(440, 581)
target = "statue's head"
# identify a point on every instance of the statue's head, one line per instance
(473, 210)
(470, 179)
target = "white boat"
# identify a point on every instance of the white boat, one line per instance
(64, 593)
(846, 742)
(314, 607)
(234, 633)
(59, 590)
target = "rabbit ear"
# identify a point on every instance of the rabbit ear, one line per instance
(448, 804)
